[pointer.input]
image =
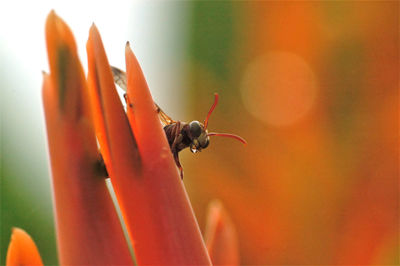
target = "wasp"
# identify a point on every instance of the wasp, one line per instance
(180, 135)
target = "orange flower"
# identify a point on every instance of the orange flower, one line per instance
(154, 203)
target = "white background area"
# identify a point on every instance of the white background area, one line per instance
(155, 31)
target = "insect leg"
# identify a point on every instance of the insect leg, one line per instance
(177, 139)
(128, 103)
(178, 163)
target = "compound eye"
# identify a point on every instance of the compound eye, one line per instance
(204, 140)
(195, 129)
(206, 143)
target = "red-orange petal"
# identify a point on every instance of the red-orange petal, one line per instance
(164, 224)
(116, 140)
(154, 204)
(88, 228)
(65, 68)
(220, 235)
(22, 250)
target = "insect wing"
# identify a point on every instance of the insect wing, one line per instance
(120, 79)
(165, 119)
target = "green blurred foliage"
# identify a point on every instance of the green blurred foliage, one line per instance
(25, 194)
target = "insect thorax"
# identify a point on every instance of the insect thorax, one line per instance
(170, 131)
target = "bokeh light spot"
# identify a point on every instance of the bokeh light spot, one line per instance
(279, 88)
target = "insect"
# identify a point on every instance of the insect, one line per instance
(181, 135)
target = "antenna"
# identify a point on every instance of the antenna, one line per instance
(211, 110)
(233, 136)
(220, 134)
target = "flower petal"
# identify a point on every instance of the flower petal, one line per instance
(154, 204)
(22, 250)
(65, 68)
(112, 127)
(164, 223)
(220, 235)
(88, 228)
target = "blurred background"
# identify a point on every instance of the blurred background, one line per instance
(312, 86)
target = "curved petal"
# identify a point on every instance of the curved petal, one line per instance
(88, 228)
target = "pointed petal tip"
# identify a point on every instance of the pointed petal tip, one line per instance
(22, 249)
(220, 235)
(93, 27)
(17, 230)
(53, 18)
(94, 35)
(93, 31)
(128, 48)
(58, 35)
(215, 204)
(215, 208)
(52, 14)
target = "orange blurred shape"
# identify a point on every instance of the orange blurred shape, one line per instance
(279, 88)
(22, 250)
(220, 236)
